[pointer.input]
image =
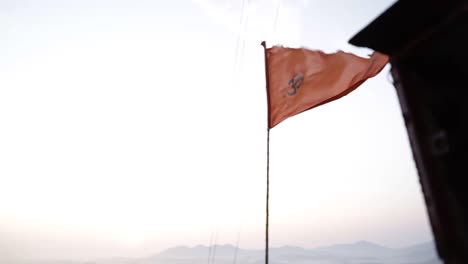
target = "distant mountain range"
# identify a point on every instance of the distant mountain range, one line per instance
(361, 252)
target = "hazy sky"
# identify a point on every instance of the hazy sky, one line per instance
(127, 127)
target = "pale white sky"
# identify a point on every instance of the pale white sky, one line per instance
(127, 127)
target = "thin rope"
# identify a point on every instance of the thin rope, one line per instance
(209, 247)
(245, 36)
(236, 249)
(275, 23)
(214, 247)
(239, 41)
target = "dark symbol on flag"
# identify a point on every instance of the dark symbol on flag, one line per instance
(295, 83)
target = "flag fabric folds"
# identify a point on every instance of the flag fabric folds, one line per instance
(301, 79)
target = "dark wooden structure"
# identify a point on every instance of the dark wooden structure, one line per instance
(428, 46)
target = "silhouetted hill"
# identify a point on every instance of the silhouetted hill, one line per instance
(362, 252)
(358, 252)
(420, 250)
(358, 249)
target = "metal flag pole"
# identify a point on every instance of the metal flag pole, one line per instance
(268, 159)
(267, 198)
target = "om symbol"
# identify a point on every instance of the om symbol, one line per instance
(295, 83)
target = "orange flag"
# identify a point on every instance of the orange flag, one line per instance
(301, 79)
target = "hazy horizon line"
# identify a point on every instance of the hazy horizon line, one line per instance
(303, 247)
(356, 242)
